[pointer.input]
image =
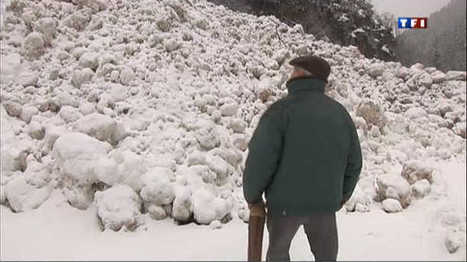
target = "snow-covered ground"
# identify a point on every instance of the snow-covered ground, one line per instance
(130, 115)
(56, 231)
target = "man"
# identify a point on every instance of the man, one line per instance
(305, 155)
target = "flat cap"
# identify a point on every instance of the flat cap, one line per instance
(314, 64)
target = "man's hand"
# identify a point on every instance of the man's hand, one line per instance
(257, 209)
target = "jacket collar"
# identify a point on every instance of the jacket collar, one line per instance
(305, 83)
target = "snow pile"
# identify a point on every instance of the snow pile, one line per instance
(77, 158)
(207, 207)
(158, 192)
(152, 103)
(101, 127)
(118, 207)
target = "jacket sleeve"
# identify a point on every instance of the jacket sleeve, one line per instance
(265, 150)
(354, 163)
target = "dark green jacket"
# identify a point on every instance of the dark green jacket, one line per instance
(305, 153)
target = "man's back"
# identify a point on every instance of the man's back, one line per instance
(314, 150)
(305, 155)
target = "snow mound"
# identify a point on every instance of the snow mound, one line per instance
(182, 206)
(372, 113)
(118, 207)
(415, 171)
(77, 158)
(392, 205)
(157, 188)
(207, 207)
(394, 187)
(23, 196)
(101, 127)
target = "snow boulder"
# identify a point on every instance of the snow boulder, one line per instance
(69, 114)
(207, 207)
(426, 80)
(27, 113)
(216, 224)
(414, 171)
(118, 93)
(443, 107)
(89, 60)
(12, 108)
(393, 187)
(52, 133)
(230, 155)
(392, 206)
(208, 136)
(34, 45)
(415, 113)
(456, 75)
(196, 158)
(48, 27)
(74, 153)
(87, 108)
(438, 77)
(403, 72)
(376, 70)
(13, 151)
(28, 78)
(264, 93)
(79, 77)
(240, 142)
(359, 199)
(460, 129)
(206, 174)
(244, 214)
(156, 212)
(372, 113)
(118, 207)
(454, 240)
(220, 167)
(237, 125)
(23, 196)
(36, 130)
(157, 188)
(101, 127)
(77, 20)
(127, 75)
(229, 109)
(122, 167)
(171, 44)
(421, 188)
(76, 157)
(417, 67)
(107, 170)
(51, 104)
(96, 5)
(182, 208)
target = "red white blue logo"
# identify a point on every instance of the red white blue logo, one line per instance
(412, 22)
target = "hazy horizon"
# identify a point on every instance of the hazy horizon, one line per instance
(409, 8)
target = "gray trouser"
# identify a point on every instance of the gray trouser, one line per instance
(320, 229)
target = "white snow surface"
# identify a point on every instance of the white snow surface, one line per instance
(148, 106)
(57, 232)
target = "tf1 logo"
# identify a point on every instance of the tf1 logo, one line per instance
(412, 22)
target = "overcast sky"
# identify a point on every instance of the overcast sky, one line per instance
(409, 8)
